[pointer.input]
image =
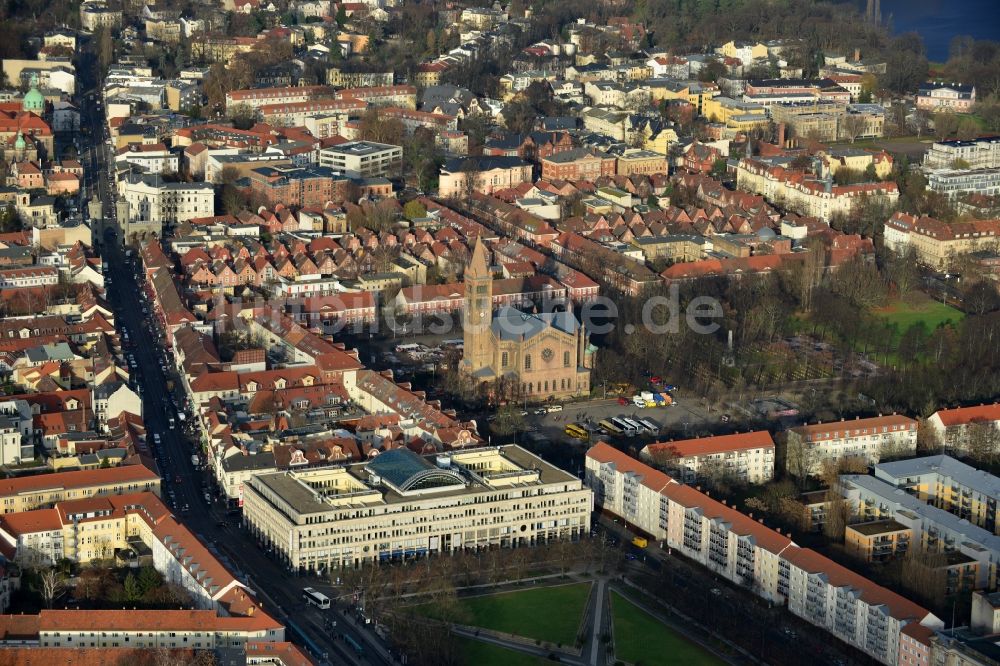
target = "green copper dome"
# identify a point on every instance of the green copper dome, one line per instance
(33, 99)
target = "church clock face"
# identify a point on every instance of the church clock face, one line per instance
(547, 354)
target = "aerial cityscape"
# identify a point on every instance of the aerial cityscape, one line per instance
(399, 332)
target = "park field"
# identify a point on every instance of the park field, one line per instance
(642, 639)
(550, 614)
(930, 313)
(486, 654)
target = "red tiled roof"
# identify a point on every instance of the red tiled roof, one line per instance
(76, 479)
(709, 445)
(965, 415)
(822, 431)
(40, 520)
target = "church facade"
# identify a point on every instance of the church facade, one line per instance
(540, 355)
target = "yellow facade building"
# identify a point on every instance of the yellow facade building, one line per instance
(878, 540)
(44, 490)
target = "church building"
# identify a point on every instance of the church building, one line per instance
(545, 354)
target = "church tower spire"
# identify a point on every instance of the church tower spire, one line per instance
(477, 338)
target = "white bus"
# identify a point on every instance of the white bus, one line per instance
(650, 426)
(638, 427)
(624, 426)
(317, 599)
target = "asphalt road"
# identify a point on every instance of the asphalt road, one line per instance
(279, 589)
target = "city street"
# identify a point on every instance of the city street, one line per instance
(183, 485)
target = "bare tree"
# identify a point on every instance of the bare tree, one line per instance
(52, 583)
(800, 457)
(928, 439)
(853, 126)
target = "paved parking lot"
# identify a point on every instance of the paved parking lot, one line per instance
(687, 416)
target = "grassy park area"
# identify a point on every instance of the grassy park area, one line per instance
(642, 639)
(485, 654)
(926, 311)
(550, 614)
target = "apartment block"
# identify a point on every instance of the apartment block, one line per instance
(153, 200)
(44, 490)
(878, 540)
(255, 98)
(294, 114)
(937, 244)
(401, 96)
(733, 545)
(934, 530)
(401, 504)
(952, 425)
(804, 194)
(870, 439)
(948, 484)
(981, 153)
(745, 456)
(954, 183)
(363, 159)
(151, 158)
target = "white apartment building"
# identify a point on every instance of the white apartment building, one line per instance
(952, 425)
(747, 456)
(807, 196)
(954, 183)
(981, 153)
(96, 14)
(741, 549)
(151, 199)
(28, 276)
(293, 114)
(810, 445)
(255, 98)
(151, 158)
(401, 504)
(15, 432)
(363, 159)
(35, 536)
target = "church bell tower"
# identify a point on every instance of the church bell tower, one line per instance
(477, 338)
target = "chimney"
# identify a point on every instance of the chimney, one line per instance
(857, 55)
(781, 135)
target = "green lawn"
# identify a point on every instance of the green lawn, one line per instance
(485, 654)
(931, 313)
(642, 639)
(550, 614)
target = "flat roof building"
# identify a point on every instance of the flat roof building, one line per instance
(401, 505)
(362, 159)
(934, 529)
(948, 484)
